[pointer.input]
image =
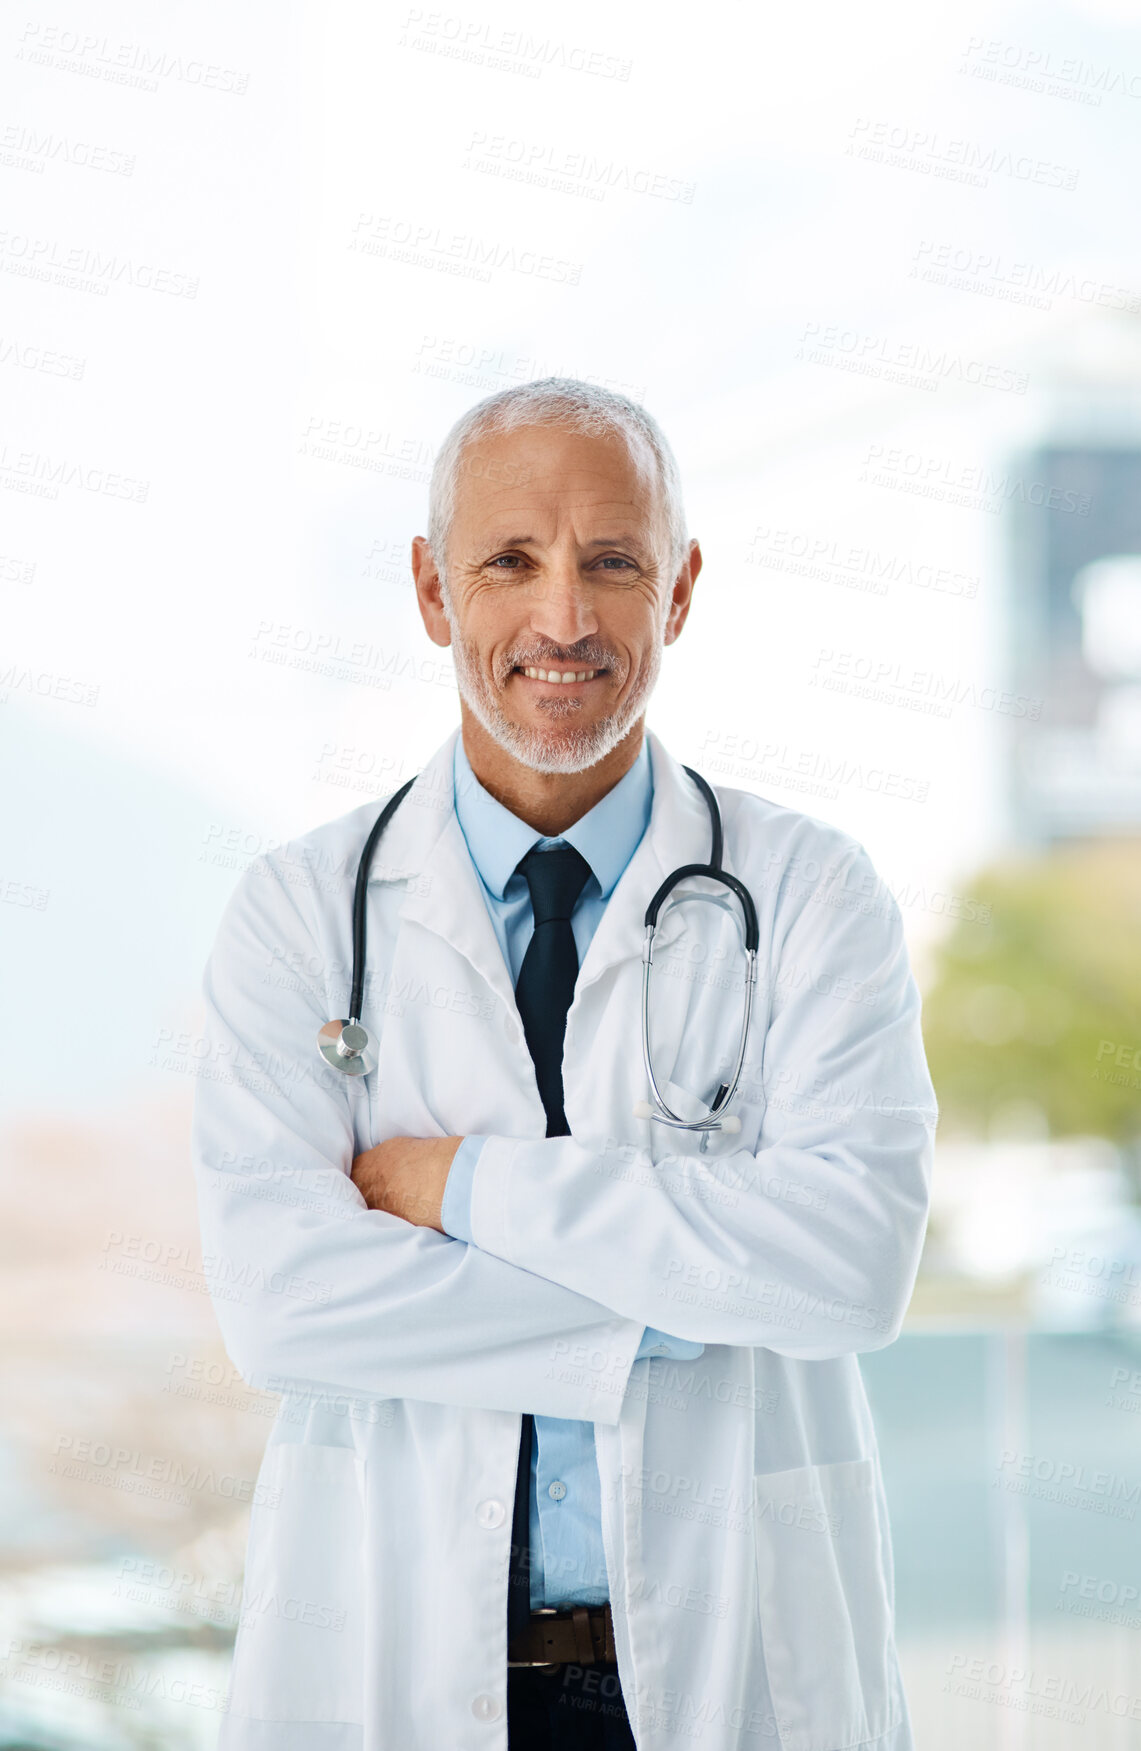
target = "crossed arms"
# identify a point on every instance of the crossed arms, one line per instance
(406, 1176)
(349, 1279)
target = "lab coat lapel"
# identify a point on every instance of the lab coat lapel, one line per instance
(427, 850)
(425, 847)
(678, 833)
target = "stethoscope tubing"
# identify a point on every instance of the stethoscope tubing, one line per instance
(360, 892)
(665, 1114)
(711, 871)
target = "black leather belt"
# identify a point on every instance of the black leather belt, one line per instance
(584, 1635)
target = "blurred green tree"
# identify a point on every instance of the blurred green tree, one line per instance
(1037, 1009)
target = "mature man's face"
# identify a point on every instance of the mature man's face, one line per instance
(558, 565)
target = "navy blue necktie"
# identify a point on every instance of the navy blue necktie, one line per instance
(543, 993)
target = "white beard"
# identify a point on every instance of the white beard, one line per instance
(564, 747)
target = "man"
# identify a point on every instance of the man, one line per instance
(543, 1359)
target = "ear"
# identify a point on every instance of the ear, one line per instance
(682, 594)
(429, 592)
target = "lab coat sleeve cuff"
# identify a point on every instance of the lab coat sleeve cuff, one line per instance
(455, 1207)
(490, 1205)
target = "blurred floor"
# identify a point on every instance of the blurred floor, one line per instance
(1013, 1471)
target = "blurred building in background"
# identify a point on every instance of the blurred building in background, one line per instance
(1033, 1021)
(1075, 599)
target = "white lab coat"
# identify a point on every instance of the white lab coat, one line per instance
(744, 1522)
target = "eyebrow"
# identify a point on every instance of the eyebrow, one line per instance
(624, 540)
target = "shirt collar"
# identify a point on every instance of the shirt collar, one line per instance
(607, 835)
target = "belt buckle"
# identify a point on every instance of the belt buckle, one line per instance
(581, 1619)
(546, 1665)
(538, 1665)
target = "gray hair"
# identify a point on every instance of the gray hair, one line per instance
(554, 401)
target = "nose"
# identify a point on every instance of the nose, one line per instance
(562, 603)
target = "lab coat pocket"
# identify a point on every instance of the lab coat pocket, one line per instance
(669, 1144)
(824, 1605)
(300, 1648)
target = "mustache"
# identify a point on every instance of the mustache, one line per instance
(586, 654)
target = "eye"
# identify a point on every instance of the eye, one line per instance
(507, 561)
(617, 561)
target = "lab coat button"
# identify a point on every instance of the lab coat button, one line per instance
(485, 1708)
(491, 1514)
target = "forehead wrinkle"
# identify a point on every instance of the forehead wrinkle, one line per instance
(621, 538)
(503, 534)
(562, 499)
(541, 507)
(564, 472)
(598, 493)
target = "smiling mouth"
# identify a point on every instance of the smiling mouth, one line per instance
(560, 677)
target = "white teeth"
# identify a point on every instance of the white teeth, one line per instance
(558, 677)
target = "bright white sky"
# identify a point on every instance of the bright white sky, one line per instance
(800, 248)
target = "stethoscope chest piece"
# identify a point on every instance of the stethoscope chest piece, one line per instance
(348, 1047)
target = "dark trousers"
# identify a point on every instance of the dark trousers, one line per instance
(573, 1708)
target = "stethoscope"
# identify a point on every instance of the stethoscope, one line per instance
(350, 1048)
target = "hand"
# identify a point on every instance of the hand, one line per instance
(406, 1176)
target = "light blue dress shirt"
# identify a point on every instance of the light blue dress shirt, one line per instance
(568, 1566)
